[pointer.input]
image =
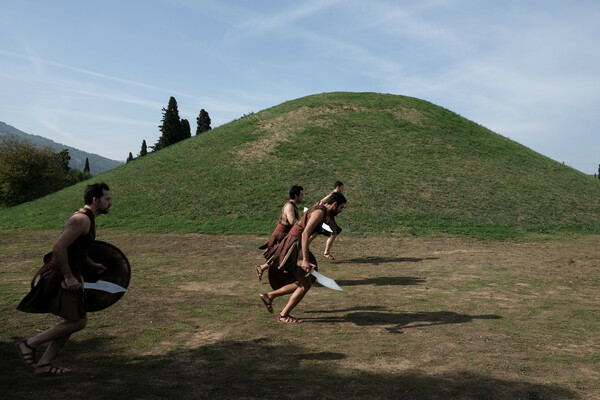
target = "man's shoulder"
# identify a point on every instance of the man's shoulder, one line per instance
(79, 219)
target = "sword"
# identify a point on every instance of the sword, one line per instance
(325, 281)
(104, 286)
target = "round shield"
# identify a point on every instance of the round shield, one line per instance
(279, 278)
(118, 271)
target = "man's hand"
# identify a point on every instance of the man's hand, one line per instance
(307, 266)
(71, 283)
(98, 267)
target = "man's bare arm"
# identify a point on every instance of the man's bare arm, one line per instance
(316, 218)
(289, 214)
(75, 226)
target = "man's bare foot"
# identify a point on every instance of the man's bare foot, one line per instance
(288, 319)
(259, 272)
(49, 370)
(27, 353)
(268, 302)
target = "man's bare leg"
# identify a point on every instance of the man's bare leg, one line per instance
(327, 252)
(260, 269)
(282, 291)
(57, 335)
(297, 295)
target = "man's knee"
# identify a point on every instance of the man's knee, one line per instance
(79, 324)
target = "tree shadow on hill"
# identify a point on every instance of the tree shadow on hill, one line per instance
(395, 322)
(253, 369)
(383, 281)
(382, 260)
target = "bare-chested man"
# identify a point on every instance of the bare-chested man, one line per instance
(294, 248)
(338, 187)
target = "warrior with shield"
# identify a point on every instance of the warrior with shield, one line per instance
(285, 275)
(59, 288)
(287, 219)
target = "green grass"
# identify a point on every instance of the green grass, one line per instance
(409, 167)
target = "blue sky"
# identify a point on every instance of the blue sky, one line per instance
(95, 75)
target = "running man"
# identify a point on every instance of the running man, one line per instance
(288, 217)
(294, 248)
(58, 289)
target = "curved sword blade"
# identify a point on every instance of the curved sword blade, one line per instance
(105, 286)
(325, 281)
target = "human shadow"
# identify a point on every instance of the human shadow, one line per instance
(383, 281)
(382, 260)
(250, 369)
(339, 311)
(396, 322)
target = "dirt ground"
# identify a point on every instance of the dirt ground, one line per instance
(418, 318)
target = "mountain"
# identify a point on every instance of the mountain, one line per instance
(409, 167)
(98, 164)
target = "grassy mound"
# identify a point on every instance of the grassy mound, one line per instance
(409, 167)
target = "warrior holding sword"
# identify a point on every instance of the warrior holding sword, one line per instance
(295, 247)
(58, 290)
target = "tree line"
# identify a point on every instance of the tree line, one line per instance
(174, 129)
(28, 172)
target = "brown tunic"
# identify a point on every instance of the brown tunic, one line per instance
(47, 296)
(281, 230)
(289, 250)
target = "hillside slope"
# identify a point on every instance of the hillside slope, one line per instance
(409, 167)
(98, 164)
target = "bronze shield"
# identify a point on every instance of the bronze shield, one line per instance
(118, 271)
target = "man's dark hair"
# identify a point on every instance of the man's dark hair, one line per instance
(94, 190)
(336, 197)
(295, 191)
(337, 184)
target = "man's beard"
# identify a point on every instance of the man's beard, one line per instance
(103, 211)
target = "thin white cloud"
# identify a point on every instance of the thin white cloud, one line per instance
(117, 97)
(261, 24)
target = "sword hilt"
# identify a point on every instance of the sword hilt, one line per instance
(64, 285)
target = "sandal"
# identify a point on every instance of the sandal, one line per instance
(268, 302)
(51, 371)
(288, 319)
(328, 256)
(27, 358)
(259, 272)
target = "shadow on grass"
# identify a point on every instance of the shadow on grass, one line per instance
(383, 281)
(382, 260)
(398, 321)
(254, 369)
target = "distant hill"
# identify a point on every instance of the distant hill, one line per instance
(409, 167)
(98, 164)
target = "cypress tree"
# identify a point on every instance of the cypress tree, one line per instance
(144, 149)
(186, 131)
(130, 158)
(203, 121)
(86, 169)
(170, 127)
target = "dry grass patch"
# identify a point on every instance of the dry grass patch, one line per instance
(418, 318)
(280, 129)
